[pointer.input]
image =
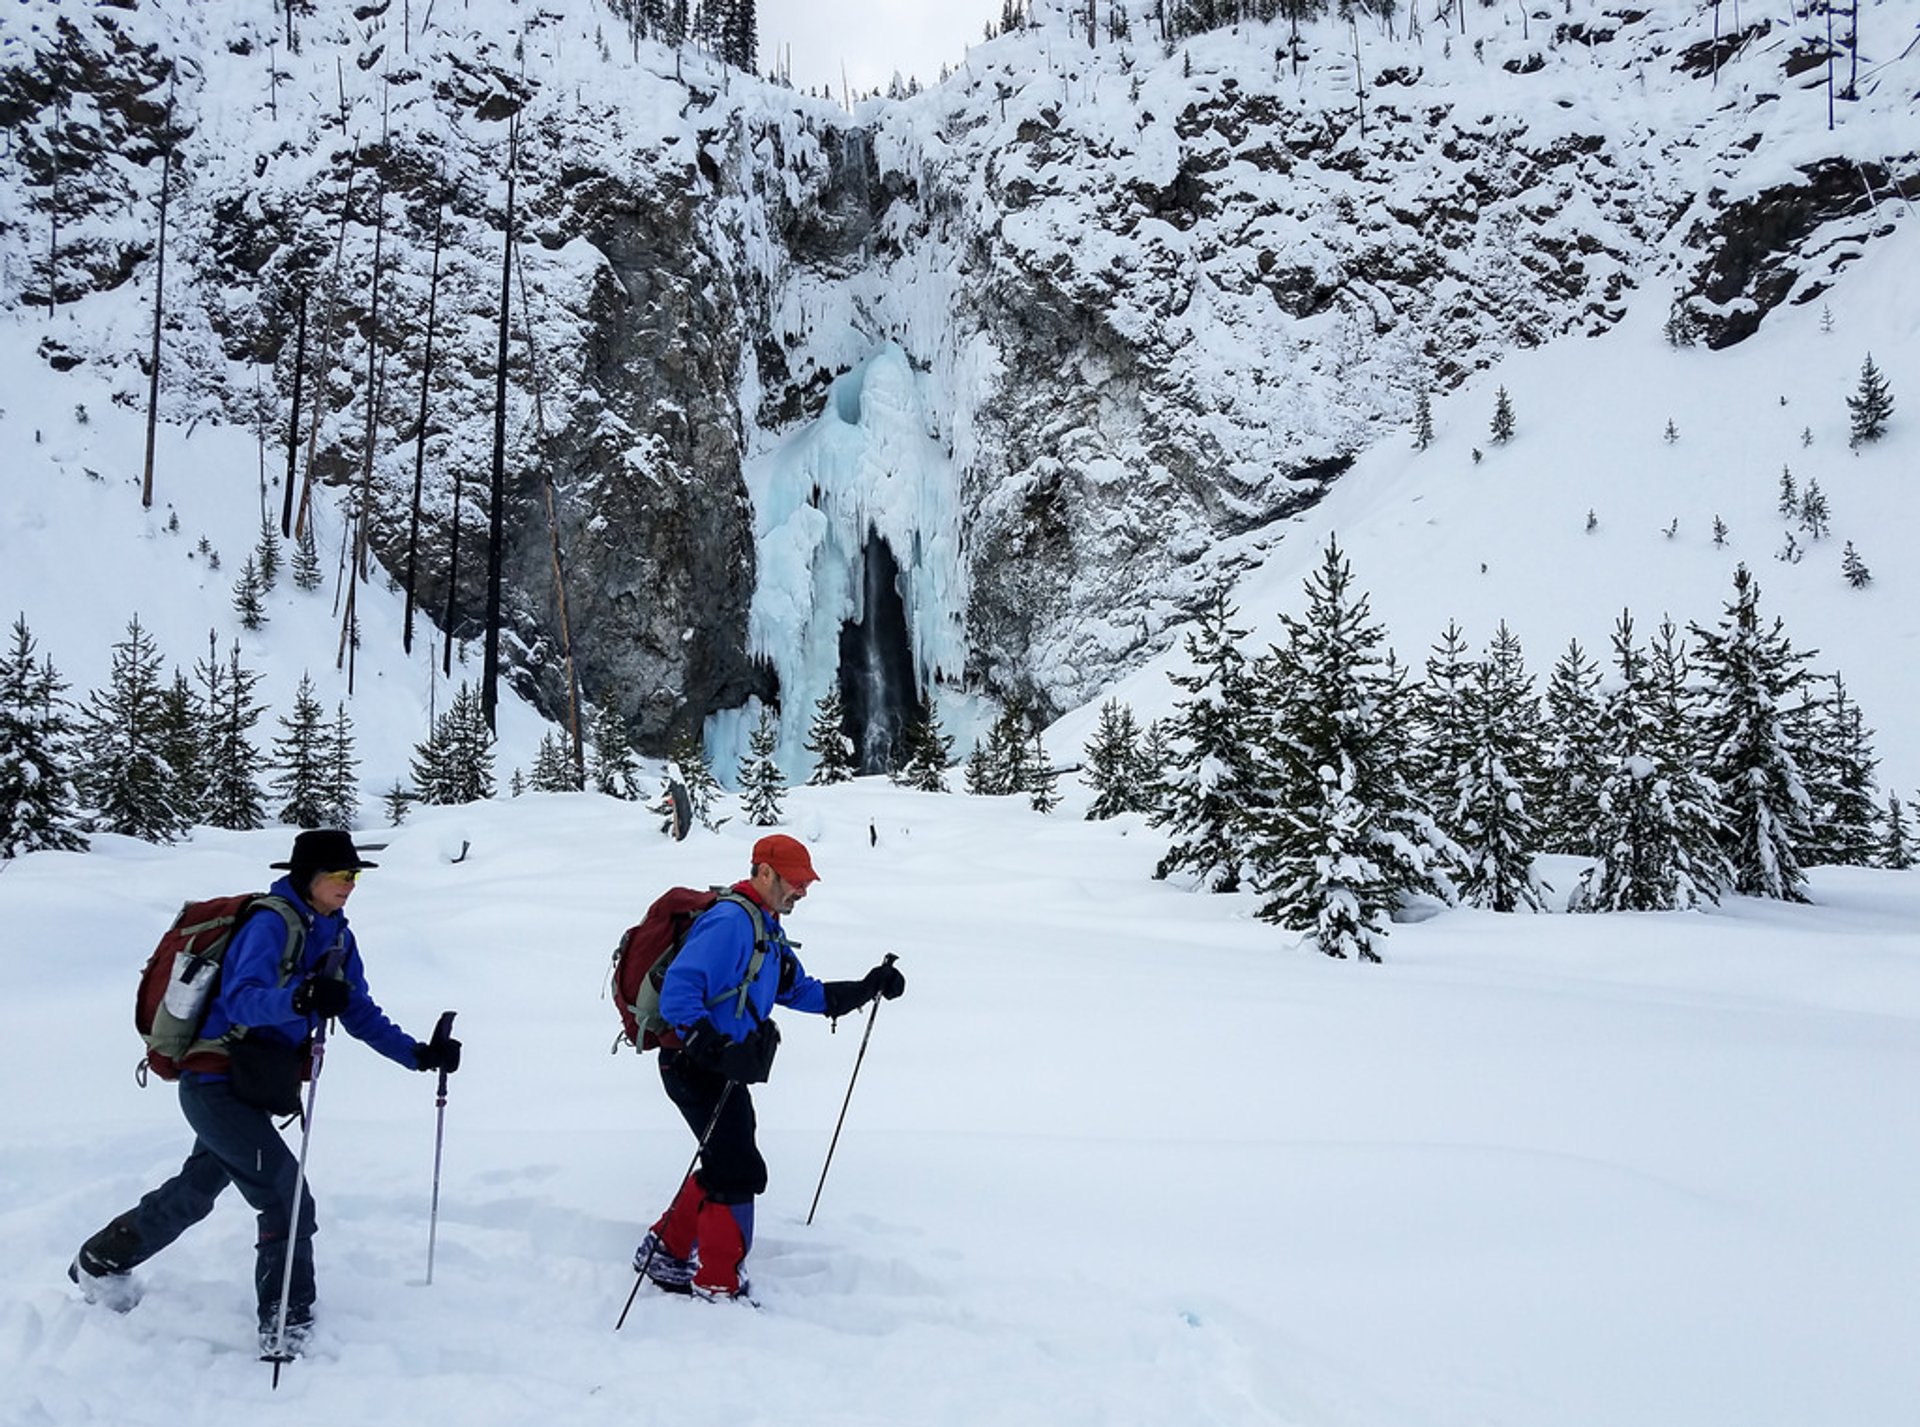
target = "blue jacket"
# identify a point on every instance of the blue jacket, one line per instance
(251, 995)
(714, 959)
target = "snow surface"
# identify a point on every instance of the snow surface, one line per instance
(1119, 1156)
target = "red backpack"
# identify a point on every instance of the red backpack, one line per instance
(181, 976)
(644, 953)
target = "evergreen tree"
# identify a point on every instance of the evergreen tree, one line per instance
(343, 766)
(306, 560)
(1656, 840)
(763, 787)
(183, 722)
(1837, 765)
(1209, 777)
(1854, 568)
(1572, 759)
(1006, 767)
(696, 776)
(1490, 818)
(1441, 751)
(266, 554)
(233, 797)
(299, 755)
(1112, 765)
(977, 777)
(124, 776)
(1156, 756)
(928, 750)
(38, 811)
(455, 762)
(248, 597)
(398, 802)
(1815, 515)
(1423, 421)
(1897, 852)
(1789, 504)
(553, 767)
(1043, 794)
(1341, 838)
(613, 768)
(1752, 757)
(827, 741)
(1871, 405)
(1502, 424)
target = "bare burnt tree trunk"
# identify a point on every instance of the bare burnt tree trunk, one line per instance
(453, 570)
(293, 423)
(364, 515)
(53, 205)
(420, 439)
(304, 508)
(553, 539)
(490, 664)
(159, 310)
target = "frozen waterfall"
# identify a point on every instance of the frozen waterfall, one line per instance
(860, 580)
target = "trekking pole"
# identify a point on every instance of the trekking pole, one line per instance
(441, 1034)
(640, 1271)
(279, 1355)
(866, 1036)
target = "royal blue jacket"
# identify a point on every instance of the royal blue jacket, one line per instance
(714, 959)
(251, 993)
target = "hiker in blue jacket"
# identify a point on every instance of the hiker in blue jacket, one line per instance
(291, 963)
(718, 1001)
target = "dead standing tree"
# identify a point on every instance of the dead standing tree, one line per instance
(496, 505)
(420, 438)
(159, 305)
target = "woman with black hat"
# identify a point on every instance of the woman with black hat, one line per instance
(291, 963)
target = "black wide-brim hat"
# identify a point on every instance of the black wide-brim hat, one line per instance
(326, 849)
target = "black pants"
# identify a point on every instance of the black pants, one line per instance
(238, 1145)
(731, 1169)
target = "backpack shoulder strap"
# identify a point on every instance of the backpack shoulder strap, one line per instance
(296, 932)
(761, 940)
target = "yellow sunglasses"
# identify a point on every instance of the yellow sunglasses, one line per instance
(349, 875)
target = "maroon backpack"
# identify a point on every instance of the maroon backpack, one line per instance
(644, 953)
(180, 977)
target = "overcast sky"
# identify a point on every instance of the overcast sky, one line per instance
(874, 38)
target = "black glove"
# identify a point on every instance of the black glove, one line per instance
(437, 1055)
(749, 1061)
(884, 980)
(321, 996)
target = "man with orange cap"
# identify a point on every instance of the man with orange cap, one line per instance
(734, 967)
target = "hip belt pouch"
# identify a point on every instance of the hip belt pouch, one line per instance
(266, 1074)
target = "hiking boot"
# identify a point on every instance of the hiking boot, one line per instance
(102, 1268)
(664, 1271)
(742, 1292)
(290, 1345)
(117, 1291)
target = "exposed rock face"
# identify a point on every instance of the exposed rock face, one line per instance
(1154, 304)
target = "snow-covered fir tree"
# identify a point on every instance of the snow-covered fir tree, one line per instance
(232, 797)
(1816, 516)
(307, 573)
(123, 775)
(827, 741)
(1490, 819)
(397, 802)
(1854, 569)
(183, 724)
(1341, 838)
(1657, 836)
(928, 751)
(553, 770)
(1043, 792)
(696, 776)
(1871, 405)
(249, 596)
(1897, 850)
(975, 775)
(1837, 765)
(266, 553)
(763, 787)
(1571, 757)
(299, 759)
(1156, 756)
(1440, 752)
(1502, 426)
(1111, 765)
(612, 766)
(343, 768)
(38, 805)
(1423, 420)
(1750, 670)
(1006, 765)
(1209, 780)
(454, 764)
